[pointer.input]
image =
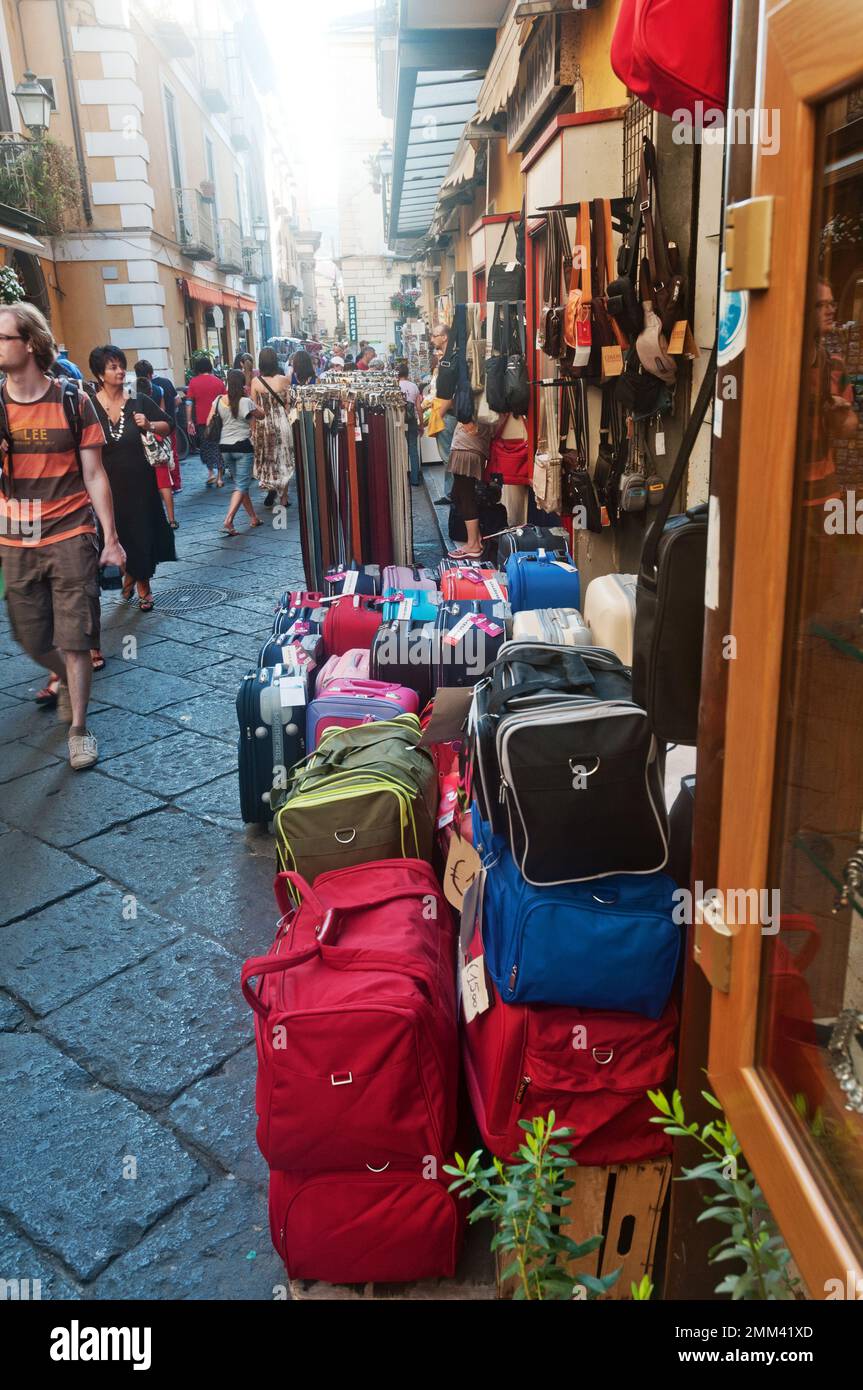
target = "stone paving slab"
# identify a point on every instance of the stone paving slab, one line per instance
(226, 676)
(8, 701)
(178, 658)
(171, 765)
(10, 1014)
(64, 1159)
(41, 875)
(207, 714)
(160, 855)
(17, 759)
(237, 645)
(188, 630)
(146, 691)
(20, 1260)
(237, 907)
(117, 730)
(17, 668)
(218, 801)
(63, 951)
(63, 807)
(217, 1246)
(218, 1114)
(161, 1024)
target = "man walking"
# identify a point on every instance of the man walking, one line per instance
(446, 379)
(50, 487)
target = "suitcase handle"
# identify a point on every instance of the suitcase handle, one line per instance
(268, 965)
(304, 890)
(340, 959)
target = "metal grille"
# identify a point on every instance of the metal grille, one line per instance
(637, 122)
(189, 598)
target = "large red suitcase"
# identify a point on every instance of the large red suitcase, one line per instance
(473, 583)
(351, 621)
(355, 1021)
(359, 1227)
(592, 1069)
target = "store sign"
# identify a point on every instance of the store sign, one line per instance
(537, 87)
(353, 335)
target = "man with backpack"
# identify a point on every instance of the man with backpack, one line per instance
(52, 481)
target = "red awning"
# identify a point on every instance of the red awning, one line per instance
(208, 293)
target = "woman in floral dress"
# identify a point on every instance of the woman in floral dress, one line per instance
(274, 445)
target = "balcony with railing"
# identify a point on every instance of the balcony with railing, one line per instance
(253, 262)
(214, 77)
(40, 190)
(241, 134)
(229, 247)
(195, 230)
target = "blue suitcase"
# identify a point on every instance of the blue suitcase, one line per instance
(541, 579)
(340, 580)
(271, 713)
(602, 945)
(423, 605)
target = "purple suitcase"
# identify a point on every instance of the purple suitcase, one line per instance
(345, 709)
(407, 577)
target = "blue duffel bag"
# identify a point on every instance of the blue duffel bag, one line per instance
(608, 944)
(542, 579)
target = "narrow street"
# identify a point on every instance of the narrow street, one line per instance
(132, 895)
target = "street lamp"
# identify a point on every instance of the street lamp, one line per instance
(384, 161)
(260, 229)
(34, 103)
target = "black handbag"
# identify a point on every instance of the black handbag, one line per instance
(641, 393)
(579, 493)
(669, 601)
(463, 401)
(505, 283)
(214, 429)
(495, 367)
(516, 379)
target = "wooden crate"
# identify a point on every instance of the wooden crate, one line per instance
(624, 1204)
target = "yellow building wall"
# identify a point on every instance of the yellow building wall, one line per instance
(602, 88)
(81, 284)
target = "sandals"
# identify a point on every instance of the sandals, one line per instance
(466, 554)
(256, 522)
(46, 698)
(211, 481)
(228, 531)
(146, 603)
(128, 590)
(97, 661)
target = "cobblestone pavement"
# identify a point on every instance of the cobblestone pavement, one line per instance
(131, 895)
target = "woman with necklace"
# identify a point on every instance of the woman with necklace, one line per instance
(147, 537)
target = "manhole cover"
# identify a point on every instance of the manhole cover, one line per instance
(189, 598)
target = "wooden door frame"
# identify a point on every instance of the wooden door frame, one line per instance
(809, 52)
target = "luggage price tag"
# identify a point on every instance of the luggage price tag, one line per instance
(461, 629)
(291, 692)
(494, 589)
(449, 712)
(351, 580)
(659, 442)
(358, 434)
(475, 576)
(491, 629)
(298, 630)
(335, 575)
(406, 607)
(561, 564)
(612, 361)
(474, 990)
(463, 866)
(447, 808)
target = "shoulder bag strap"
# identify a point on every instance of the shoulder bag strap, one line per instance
(509, 218)
(661, 515)
(273, 393)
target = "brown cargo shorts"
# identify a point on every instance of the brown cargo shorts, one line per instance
(53, 594)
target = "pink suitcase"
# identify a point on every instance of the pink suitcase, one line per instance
(408, 577)
(405, 701)
(354, 665)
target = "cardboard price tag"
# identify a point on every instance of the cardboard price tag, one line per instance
(474, 990)
(351, 580)
(405, 608)
(463, 865)
(461, 629)
(612, 361)
(450, 710)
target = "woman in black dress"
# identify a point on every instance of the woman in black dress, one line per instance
(142, 526)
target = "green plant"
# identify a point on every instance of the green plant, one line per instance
(736, 1201)
(643, 1291)
(11, 289)
(42, 179)
(525, 1199)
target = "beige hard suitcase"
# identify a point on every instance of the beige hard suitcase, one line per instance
(609, 611)
(563, 626)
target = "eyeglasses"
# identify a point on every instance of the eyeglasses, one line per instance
(11, 338)
(826, 303)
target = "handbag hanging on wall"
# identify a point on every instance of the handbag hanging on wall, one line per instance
(505, 283)
(463, 403)
(606, 331)
(495, 367)
(546, 464)
(579, 493)
(673, 55)
(516, 380)
(577, 319)
(665, 283)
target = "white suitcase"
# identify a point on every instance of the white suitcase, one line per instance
(563, 626)
(609, 611)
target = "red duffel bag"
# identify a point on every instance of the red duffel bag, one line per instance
(355, 1021)
(351, 621)
(362, 1227)
(592, 1069)
(509, 458)
(673, 53)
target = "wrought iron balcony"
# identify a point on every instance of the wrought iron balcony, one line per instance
(241, 137)
(213, 74)
(253, 262)
(195, 230)
(229, 247)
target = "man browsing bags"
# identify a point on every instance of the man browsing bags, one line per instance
(50, 489)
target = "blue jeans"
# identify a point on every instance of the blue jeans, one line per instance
(414, 456)
(444, 444)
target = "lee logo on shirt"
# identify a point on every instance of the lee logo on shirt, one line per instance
(28, 436)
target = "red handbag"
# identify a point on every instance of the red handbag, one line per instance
(362, 1227)
(351, 621)
(673, 53)
(509, 458)
(355, 1021)
(593, 1069)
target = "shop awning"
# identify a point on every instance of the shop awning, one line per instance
(209, 293)
(462, 166)
(502, 75)
(21, 241)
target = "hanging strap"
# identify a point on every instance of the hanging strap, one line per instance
(699, 410)
(509, 218)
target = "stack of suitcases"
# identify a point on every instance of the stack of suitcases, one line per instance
(557, 782)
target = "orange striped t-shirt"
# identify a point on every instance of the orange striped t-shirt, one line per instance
(48, 501)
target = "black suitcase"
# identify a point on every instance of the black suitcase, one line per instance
(368, 579)
(463, 648)
(531, 538)
(299, 620)
(681, 819)
(271, 713)
(403, 652)
(299, 655)
(568, 768)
